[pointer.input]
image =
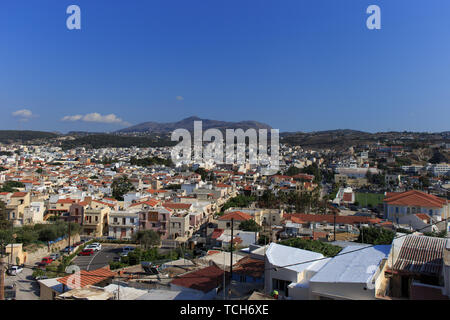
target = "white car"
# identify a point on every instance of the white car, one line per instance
(15, 270)
(94, 246)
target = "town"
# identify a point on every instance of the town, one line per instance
(352, 221)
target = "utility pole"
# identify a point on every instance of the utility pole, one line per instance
(231, 253)
(12, 245)
(2, 276)
(68, 219)
(334, 226)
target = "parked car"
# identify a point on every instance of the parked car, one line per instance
(15, 270)
(87, 252)
(55, 256)
(126, 250)
(67, 249)
(96, 246)
(10, 292)
(44, 262)
(116, 259)
(47, 260)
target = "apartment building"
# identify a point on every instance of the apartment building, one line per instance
(123, 224)
(95, 222)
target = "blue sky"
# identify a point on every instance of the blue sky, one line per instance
(297, 65)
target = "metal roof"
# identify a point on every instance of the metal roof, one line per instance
(420, 254)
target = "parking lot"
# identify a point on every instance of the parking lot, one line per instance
(99, 259)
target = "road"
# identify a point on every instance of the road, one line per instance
(26, 287)
(99, 259)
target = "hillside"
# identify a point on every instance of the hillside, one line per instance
(342, 139)
(9, 136)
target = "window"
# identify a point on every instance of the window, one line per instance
(280, 285)
(96, 218)
(115, 219)
(132, 220)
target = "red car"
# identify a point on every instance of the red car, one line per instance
(44, 262)
(87, 252)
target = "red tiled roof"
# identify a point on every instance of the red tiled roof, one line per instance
(415, 198)
(250, 267)
(19, 194)
(203, 280)
(297, 220)
(66, 201)
(222, 185)
(329, 218)
(150, 202)
(216, 233)
(236, 215)
(88, 277)
(175, 206)
(348, 196)
(423, 216)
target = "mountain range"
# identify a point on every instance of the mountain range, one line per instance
(188, 124)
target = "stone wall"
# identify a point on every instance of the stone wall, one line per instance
(37, 255)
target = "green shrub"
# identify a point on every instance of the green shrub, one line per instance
(326, 249)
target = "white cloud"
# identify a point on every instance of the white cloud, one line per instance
(96, 117)
(72, 118)
(180, 98)
(23, 114)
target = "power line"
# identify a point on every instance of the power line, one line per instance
(359, 249)
(272, 268)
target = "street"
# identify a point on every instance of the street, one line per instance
(26, 287)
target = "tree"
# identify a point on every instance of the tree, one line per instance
(121, 186)
(239, 201)
(314, 170)
(437, 157)
(375, 235)
(148, 238)
(292, 171)
(249, 225)
(11, 186)
(326, 249)
(440, 234)
(204, 174)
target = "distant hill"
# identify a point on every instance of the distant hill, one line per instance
(9, 136)
(188, 124)
(344, 138)
(96, 141)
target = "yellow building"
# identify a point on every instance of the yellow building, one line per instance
(95, 222)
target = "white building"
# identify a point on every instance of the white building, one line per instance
(288, 270)
(353, 274)
(123, 224)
